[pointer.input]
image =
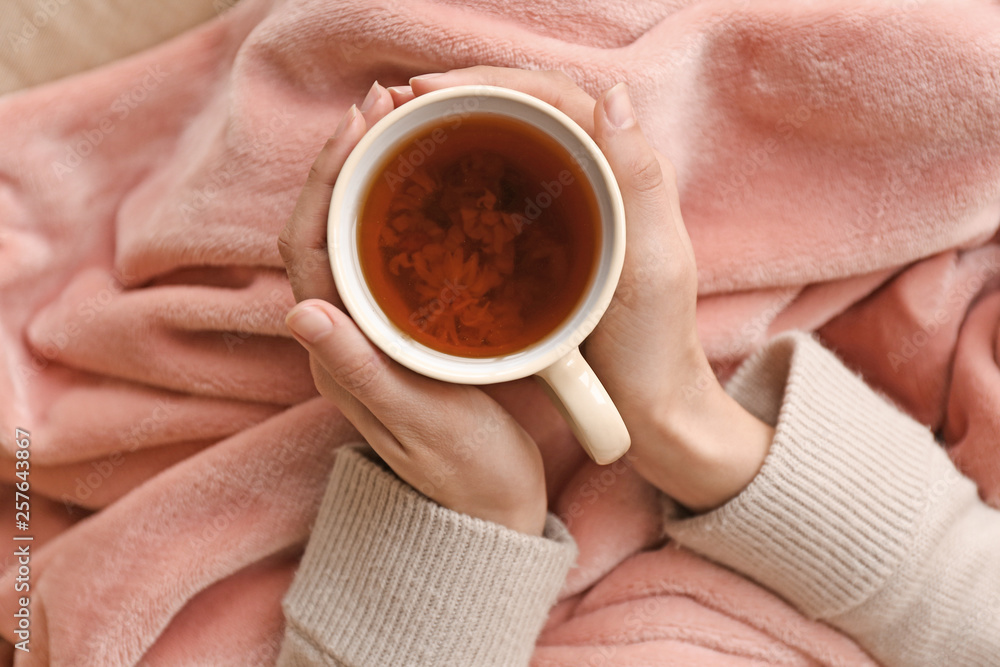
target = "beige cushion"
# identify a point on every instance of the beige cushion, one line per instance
(43, 40)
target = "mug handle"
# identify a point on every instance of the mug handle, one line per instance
(584, 402)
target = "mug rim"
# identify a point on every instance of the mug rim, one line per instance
(371, 319)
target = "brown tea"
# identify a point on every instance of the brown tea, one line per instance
(479, 237)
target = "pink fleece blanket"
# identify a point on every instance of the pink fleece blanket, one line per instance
(839, 168)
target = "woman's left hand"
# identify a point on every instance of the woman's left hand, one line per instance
(453, 443)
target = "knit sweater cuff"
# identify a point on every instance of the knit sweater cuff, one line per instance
(392, 578)
(831, 514)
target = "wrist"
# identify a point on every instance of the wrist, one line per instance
(522, 516)
(701, 447)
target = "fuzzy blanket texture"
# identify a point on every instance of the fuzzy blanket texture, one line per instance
(839, 171)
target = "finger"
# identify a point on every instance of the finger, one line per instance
(656, 238)
(556, 88)
(377, 103)
(405, 402)
(448, 441)
(400, 94)
(302, 242)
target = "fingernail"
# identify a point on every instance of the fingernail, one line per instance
(346, 121)
(308, 323)
(618, 107)
(424, 77)
(400, 90)
(370, 98)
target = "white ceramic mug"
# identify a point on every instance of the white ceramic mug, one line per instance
(556, 358)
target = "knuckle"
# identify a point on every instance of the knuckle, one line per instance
(647, 176)
(486, 74)
(678, 275)
(285, 247)
(561, 87)
(560, 78)
(359, 373)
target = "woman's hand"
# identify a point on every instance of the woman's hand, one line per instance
(689, 438)
(451, 442)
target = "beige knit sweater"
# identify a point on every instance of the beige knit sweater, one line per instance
(857, 518)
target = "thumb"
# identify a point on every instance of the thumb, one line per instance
(649, 327)
(392, 407)
(655, 229)
(451, 442)
(356, 367)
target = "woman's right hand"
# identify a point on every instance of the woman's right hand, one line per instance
(689, 438)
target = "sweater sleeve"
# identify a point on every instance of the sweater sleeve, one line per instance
(858, 517)
(391, 578)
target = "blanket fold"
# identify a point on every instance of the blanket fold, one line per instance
(839, 171)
